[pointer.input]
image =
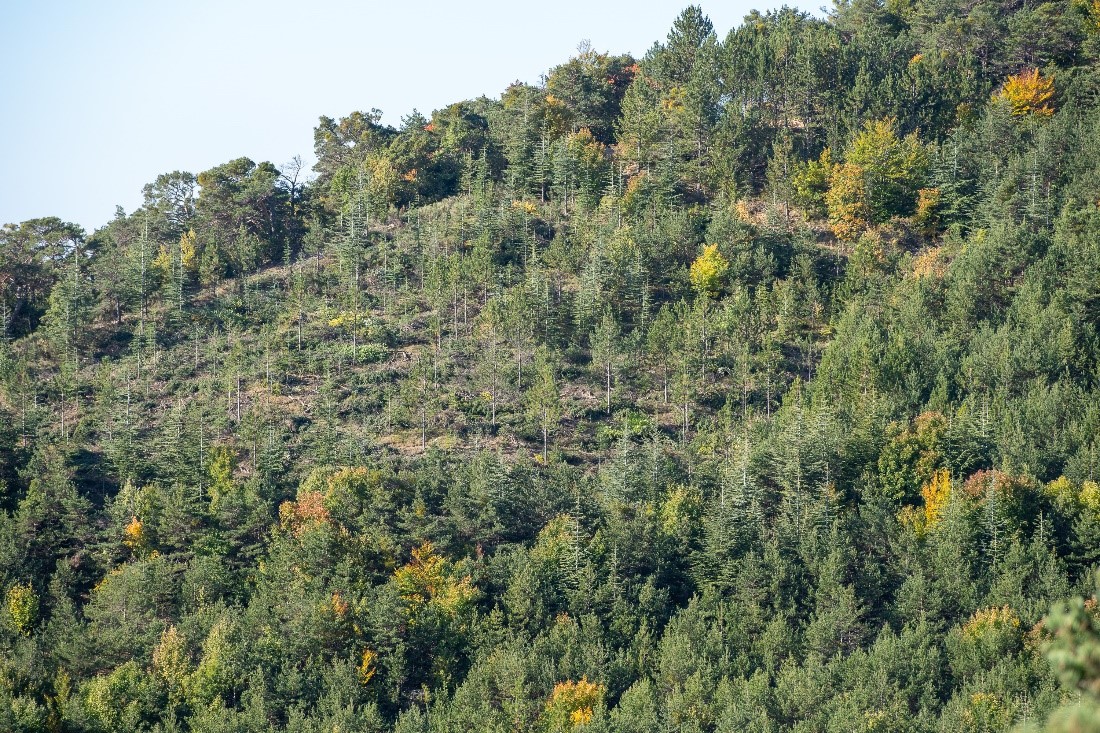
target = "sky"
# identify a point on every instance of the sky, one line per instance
(101, 97)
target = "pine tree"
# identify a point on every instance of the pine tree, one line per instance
(606, 353)
(544, 406)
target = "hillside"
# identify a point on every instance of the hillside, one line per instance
(749, 385)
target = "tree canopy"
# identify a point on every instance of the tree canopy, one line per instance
(750, 384)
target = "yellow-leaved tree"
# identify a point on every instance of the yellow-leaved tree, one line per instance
(368, 666)
(846, 201)
(171, 664)
(437, 606)
(187, 250)
(936, 494)
(218, 670)
(991, 634)
(1028, 93)
(708, 271)
(810, 182)
(23, 607)
(135, 537)
(571, 704)
(427, 580)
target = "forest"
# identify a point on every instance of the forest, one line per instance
(749, 385)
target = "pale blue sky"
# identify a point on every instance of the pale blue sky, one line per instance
(101, 97)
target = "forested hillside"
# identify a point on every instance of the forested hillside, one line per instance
(751, 385)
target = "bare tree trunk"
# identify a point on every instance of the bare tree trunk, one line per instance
(685, 422)
(608, 388)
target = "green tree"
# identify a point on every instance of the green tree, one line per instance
(29, 257)
(893, 168)
(591, 87)
(544, 406)
(1073, 650)
(606, 352)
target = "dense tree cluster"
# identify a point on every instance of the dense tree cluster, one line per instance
(748, 385)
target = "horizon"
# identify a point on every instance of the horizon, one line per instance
(129, 91)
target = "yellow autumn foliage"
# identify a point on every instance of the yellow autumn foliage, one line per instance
(162, 263)
(674, 100)
(926, 216)
(1090, 495)
(308, 512)
(988, 620)
(367, 666)
(635, 189)
(936, 494)
(742, 211)
(986, 711)
(426, 582)
(846, 202)
(339, 605)
(220, 473)
(571, 704)
(133, 536)
(679, 511)
(1066, 493)
(23, 607)
(1028, 93)
(558, 117)
(187, 250)
(708, 271)
(171, 663)
(344, 318)
(811, 182)
(929, 263)
(166, 260)
(1060, 489)
(527, 207)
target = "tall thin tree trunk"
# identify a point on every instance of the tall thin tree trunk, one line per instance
(685, 421)
(608, 388)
